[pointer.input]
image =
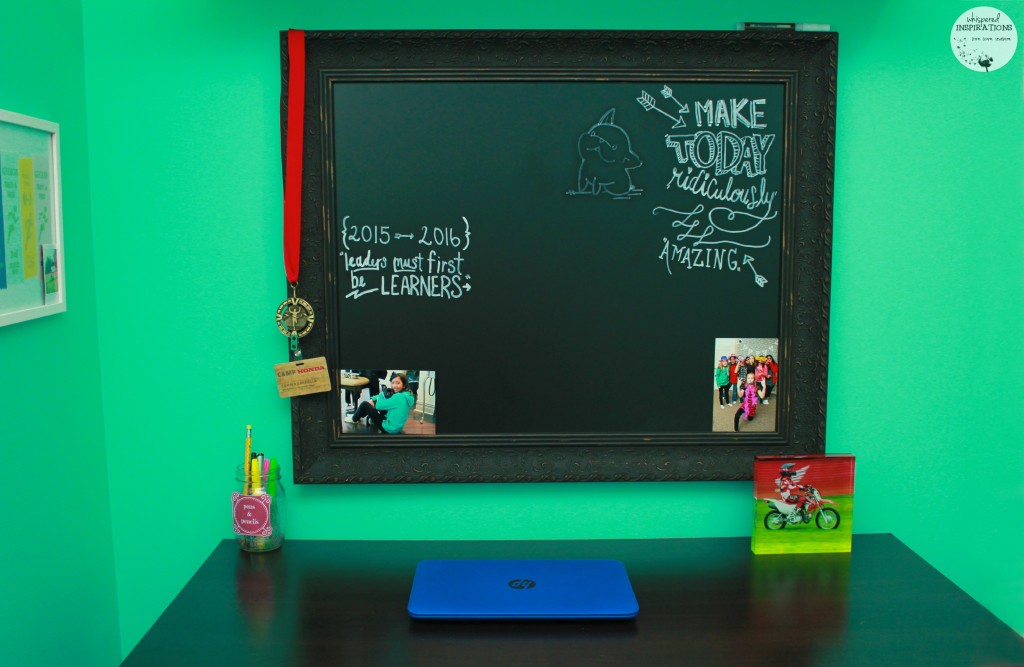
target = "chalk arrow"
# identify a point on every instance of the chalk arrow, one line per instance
(758, 278)
(648, 103)
(666, 92)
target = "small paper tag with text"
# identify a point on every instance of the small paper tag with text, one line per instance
(298, 378)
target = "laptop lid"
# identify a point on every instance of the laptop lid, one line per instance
(522, 589)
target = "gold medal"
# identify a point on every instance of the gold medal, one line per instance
(295, 317)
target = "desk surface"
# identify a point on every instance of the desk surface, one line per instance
(702, 602)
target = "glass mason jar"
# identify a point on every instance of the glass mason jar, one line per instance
(258, 509)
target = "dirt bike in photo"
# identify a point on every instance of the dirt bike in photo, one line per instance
(816, 507)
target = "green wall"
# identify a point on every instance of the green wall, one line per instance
(58, 596)
(184, 159)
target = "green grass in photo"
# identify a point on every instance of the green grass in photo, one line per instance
(803, 537)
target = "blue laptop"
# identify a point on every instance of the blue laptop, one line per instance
(521, 590)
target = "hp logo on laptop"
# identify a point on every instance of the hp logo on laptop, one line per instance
(522, 584)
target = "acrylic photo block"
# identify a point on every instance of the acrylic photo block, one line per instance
(803, 504)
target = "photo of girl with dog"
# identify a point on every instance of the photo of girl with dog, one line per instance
(388, 402)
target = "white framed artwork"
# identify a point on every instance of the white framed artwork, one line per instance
(31, 233)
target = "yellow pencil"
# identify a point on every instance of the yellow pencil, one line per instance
(248, 456)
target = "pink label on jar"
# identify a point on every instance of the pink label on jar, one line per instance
(251, 514)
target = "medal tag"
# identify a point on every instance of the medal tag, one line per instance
(298, 378)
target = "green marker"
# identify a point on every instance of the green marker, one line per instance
(272, 473)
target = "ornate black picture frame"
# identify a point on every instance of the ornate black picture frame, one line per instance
(800, 66)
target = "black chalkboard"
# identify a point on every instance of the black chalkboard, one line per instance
(566, 248)
(512, 237)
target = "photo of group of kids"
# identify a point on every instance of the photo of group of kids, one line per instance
(387, 402)
(746, 374)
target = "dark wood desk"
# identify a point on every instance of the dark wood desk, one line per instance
(702, 602)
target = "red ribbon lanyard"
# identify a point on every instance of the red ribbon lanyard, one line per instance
(293, 153)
